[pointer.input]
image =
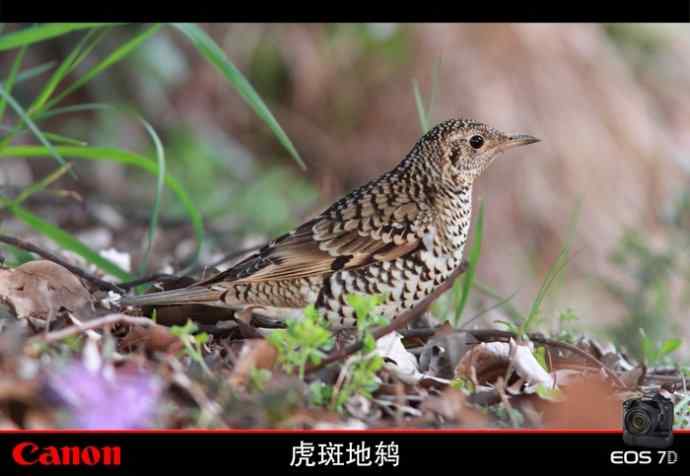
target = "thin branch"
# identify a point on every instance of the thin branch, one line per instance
(99, 283)
(93, 324)
(225, 258)
(396, 324)
(127, 285)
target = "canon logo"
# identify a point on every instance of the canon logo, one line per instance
(29, 453)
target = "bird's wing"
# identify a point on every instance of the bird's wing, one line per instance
(350, 234)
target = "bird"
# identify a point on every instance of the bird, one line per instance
(398, 236)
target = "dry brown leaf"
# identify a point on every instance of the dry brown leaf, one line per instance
(490, 360)
(587, 403)
(39, 289)
(484, 363)
(255, 354)
(152, 338)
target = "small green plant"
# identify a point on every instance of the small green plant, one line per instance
(360, 377)
(304, 341)
(534, 316)
(258, 378)
(193, 342)
(320, 393)
(463, 384)
(364, 306)
(654, 352)
(648, 300)
(508, 417)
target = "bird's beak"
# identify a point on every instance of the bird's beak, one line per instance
(515, 140)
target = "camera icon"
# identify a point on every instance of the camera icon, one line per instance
(648, 422)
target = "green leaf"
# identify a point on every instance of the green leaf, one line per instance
(215, 55)
(669, 346)
(363, 305)
(368, 343)
(41, 32)
(188, 328)
(540, 356)
(67, 241)
(648, 350)
(551, 394)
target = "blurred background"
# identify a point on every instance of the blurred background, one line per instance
(611, 104)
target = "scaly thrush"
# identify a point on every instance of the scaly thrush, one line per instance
(399, 235)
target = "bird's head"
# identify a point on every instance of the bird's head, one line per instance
(463, 149)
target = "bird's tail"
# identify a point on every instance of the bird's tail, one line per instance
(198, 295)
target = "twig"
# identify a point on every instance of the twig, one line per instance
(94, 324)
(501, 389)
(224, 259)
(127, 285)
(581, 353)
(396, 324)
(99, 283)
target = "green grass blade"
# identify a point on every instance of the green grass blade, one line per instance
(38, 186)
(64, 140)
(125, 158)
(35, 71)
(88, 106)
(36, 131)
(509, 308)
(10, 81)
(41, 32)
(67, 241)
(120, 53)
(160, 183)
(215, 55)
(554, 271)
(434, 89)
(52, 136)
(473, 259)
(160, 158)
(67, 65)
(423, 119)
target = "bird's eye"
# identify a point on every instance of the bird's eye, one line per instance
(476, 141)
